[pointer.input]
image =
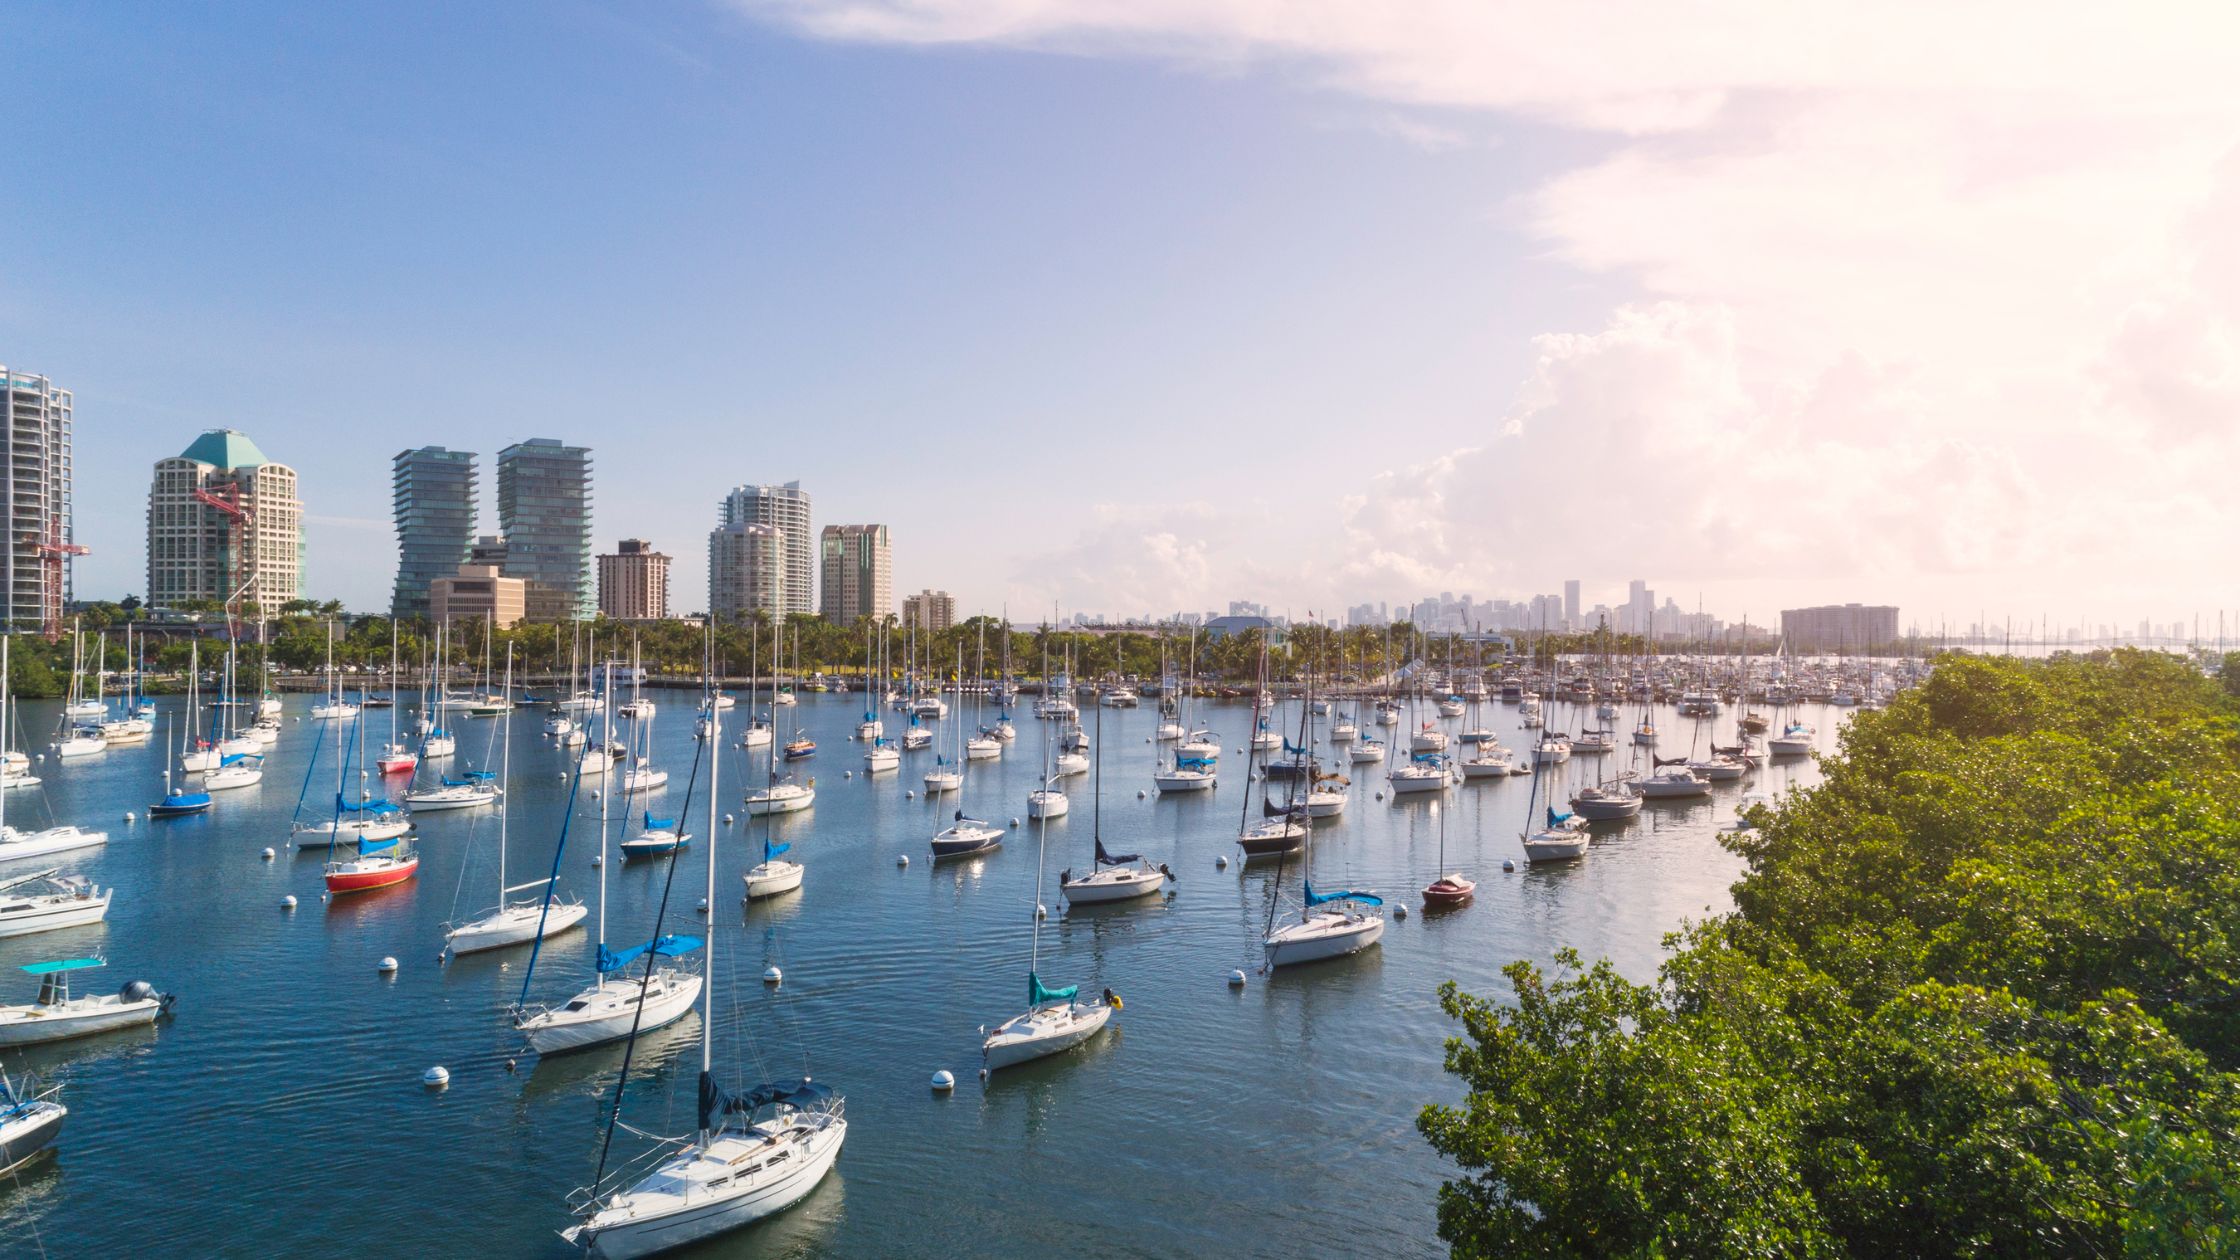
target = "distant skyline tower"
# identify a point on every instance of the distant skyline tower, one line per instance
(434, 508)
(544, 511)
(38, 420)
(786, 508)
(858, 573)
(197, 550)
(746, 570)
(1571, 604)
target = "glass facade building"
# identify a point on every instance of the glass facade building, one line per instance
(786, 509)
(544, 511)
(435, 509)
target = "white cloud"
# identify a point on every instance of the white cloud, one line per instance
(1922, 289)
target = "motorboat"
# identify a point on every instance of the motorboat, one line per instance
(16, 845)
(56, 1015)
(965, 837)
(29, 1121)
(46, 900)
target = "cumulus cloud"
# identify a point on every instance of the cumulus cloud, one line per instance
(1920, 289)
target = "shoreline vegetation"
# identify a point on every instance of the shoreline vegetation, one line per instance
(1979, 995)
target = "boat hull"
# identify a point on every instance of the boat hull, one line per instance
(35, 917)
(343, 882)
(29, 1030)
(610, 1015)
(759, 805)
(652, 1233)
(1113, 884)
(26, 1136)
(1057, 1030)
(515, 925)
(768, 879)
(1320, 937)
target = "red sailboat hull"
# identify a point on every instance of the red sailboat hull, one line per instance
(339, 882)
(399, 765)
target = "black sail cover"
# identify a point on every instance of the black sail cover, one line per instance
(715, 1103)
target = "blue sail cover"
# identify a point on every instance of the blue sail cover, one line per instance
(666, 946)
(714, 1102)
(1108, 859)
(659, 824)
(1316, 899)
(1037, 995)
(770, 850)
(364, 807)
(1556, 819)
(479, 776)
(1426, 758)
(366, 848)
(235, 758)
(1193, 763)
(1292, 748)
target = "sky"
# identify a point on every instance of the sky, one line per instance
(1119, 306)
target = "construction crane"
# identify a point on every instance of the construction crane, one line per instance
(51, 549)
(227, 499)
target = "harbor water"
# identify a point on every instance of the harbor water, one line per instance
(280, 1109)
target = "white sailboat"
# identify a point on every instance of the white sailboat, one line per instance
(44, 901)
(514, 922)
(1056, 1020)
(613, 1009)
(737, 1169)
(17, 845)
(1112, 877)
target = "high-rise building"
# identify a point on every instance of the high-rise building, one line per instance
(1839, 627)
(930, 610)
(746, 570)
(858, 573)
(786, 508)
(1571, 604)
(243, 531)
(634, 582)
(37, 486)
(544, 511)
(434, 506)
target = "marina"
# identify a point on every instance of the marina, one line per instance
(280, 1019)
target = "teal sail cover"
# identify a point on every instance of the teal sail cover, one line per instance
(659, 824)
(67, 964)
(1037, 995)
(1316, 899)
(368, 847)
(666, 946)
(1556, 819)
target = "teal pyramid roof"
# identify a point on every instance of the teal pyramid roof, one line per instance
(225, 449)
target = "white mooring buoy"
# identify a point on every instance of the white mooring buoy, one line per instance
(128, 815)
(436, 1077)
(909, 795)
(1236, 978)
(288, 902)
(1399, 912)
(1508, 865)
(703, 906)
(268, 854)
(943, 1082)
(771, 975)
(1221, 861)
(903, 860)
(727, 820)
(1041, 911)
(388, 965)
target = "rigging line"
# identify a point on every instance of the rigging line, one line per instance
(552, 882)
(645, 980)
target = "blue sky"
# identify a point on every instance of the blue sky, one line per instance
(1088, 318)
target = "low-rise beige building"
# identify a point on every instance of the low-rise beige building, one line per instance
(478, 592)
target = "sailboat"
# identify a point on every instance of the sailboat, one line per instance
(55, 1015)
(964, 836)
(1452, 888)
(514, 922)
(368, 864)
(737, 1169)
(611, 1010)
(1056, 1020)
(772, 875)
(1277, 835)
(778, 796)
(351, 821)
(1111, 877)
(72, 739)
(947, 774)
(15, 844)
(333, 707)
(1330, 925)
(397, 758)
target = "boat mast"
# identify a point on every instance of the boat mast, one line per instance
(708, 984)
(606, 742)
(505, 771)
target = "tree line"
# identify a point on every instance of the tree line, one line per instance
(1979, 995)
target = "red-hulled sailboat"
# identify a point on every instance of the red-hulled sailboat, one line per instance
(1452, 888)
(378, 864)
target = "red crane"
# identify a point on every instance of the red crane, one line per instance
(227, 499)
(51, 550)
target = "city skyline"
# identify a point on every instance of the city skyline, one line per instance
(1764, 432)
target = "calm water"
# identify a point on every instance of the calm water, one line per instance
(281, 1109)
